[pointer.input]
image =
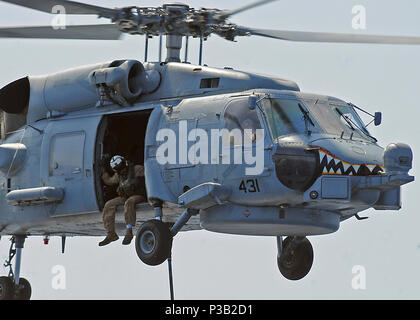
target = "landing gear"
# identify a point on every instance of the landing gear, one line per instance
(154, 240)
(7, 288)
(295, 257)
(9, 291)
(154, 237)
(12, 287)
(24, 290)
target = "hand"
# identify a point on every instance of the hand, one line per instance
(105, 165)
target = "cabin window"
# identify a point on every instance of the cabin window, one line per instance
(239, 117)
(66, 154)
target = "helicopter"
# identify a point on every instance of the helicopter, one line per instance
(319, 166)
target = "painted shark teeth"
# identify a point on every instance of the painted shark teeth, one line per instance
(332, 165)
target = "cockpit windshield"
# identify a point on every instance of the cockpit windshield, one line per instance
(292, 116)
(338, 119)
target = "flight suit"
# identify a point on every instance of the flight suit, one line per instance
(130, 193)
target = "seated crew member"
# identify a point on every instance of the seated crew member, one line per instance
(130, 181)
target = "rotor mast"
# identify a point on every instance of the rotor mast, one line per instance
(174, 40)
(173, 48)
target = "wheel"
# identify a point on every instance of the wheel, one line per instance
(25, 290)
(153, 242)
(7, 288)
(298, 262)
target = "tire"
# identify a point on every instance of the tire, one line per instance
(7, 288)
(25, 290)
(298, 262)
(153, 242)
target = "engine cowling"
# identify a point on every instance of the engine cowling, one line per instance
(76, 89)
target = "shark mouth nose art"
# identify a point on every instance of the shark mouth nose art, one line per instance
(330, 164)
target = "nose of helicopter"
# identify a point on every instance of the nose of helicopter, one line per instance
(298, 164)
(348, 157)
(398, 158)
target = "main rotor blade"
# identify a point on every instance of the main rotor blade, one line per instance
(329, 37)
(229, 13)
(71, 7)
(92, 32)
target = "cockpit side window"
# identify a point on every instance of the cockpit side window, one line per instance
(241, 121)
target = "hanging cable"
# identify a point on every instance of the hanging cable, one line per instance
(171, 282)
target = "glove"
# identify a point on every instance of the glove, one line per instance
(105, 165)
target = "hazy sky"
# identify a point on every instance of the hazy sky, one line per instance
(216, 266)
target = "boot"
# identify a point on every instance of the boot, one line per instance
(128, 236)
(109, 238)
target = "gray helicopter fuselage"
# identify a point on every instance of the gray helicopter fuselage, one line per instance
(315, 174)
(222, 150)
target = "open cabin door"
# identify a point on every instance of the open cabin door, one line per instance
(67, 157)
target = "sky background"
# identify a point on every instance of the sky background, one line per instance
(215, 266)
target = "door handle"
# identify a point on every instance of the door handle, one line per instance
(76, 171)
